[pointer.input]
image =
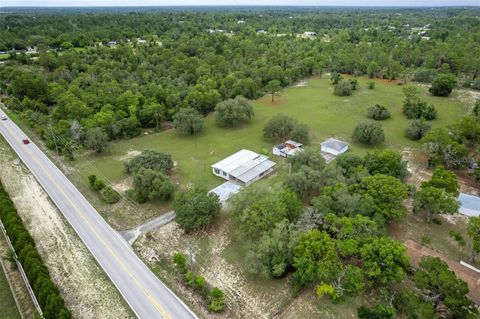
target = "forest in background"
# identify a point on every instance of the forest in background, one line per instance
(67, 75)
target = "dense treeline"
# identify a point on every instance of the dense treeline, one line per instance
(47, 293)
(164, 61)
(339, 244)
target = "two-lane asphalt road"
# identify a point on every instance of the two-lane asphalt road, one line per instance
(148, 297)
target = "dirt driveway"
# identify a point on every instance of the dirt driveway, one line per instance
(416, 251)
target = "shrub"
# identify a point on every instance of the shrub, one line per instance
(476, 174)
(109, 195)
(195, 208)
(216, 300)
(188, 121)
(416, 109)
(343, 88)
(369, 133)
(476, 109)
(233, 111)
(443, 85)
(457, 236)
(150, 184)
(378, 112)
(150, 159)
(98, 185)
(180, 261)
(417, 129)
(371, 85)
(425, 75)
(281, 127)
(426, 240)
(378, 311)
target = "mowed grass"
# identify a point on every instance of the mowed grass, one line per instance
(314, 104)
(8, 308)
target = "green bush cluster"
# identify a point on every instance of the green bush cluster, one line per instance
(47, 293)
(378, 112)
(214, 297)
(107, 193)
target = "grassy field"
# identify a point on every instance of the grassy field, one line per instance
(8, 308)
(4, 56)
(314, 104)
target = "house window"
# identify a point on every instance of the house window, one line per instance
(224, 174)
(217, 171)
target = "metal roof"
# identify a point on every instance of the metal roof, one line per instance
(469, 204)
(244, 165)
(236, 160)
(253, 172)
(334, 144)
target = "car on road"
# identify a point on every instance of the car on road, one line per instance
(3, 117)
(25, 141)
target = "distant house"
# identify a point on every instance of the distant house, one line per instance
(215, 31)
(310, 33)
(112, 43)
(469, 205)
(334, 146)
(141, 41)
(244, 167)
(240, 22)
(287, 149)
(261, 31)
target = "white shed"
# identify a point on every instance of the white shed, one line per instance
(334, 146)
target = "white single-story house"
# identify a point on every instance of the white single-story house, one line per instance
(310, 33)
(287, 149)
(334, 146)
(469, 205)
(244, 167)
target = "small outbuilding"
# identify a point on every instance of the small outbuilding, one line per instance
(287, 149)
(334, 146)
(469, 205)
(243, 167)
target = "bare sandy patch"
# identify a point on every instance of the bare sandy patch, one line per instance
(466, 96)
(243, 298)
(131, 153)
(301, 84)
(124, 185)
(87, 291)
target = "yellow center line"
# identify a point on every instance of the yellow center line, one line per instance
(81, 214)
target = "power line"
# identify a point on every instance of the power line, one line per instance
(128, 204)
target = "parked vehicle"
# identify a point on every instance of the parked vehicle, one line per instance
(25, 141)
(3, 117)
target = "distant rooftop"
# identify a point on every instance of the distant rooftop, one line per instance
(334, 144)
(469, 204)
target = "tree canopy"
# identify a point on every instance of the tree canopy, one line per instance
(195, 208)
(233, 111)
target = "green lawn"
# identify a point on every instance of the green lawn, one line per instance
(4, 56)
(314, 104)
(8, 308)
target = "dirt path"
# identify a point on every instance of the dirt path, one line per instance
(84, 286)
(471, 277)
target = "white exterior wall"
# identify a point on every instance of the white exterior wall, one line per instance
(334, 152)
(221, 174)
